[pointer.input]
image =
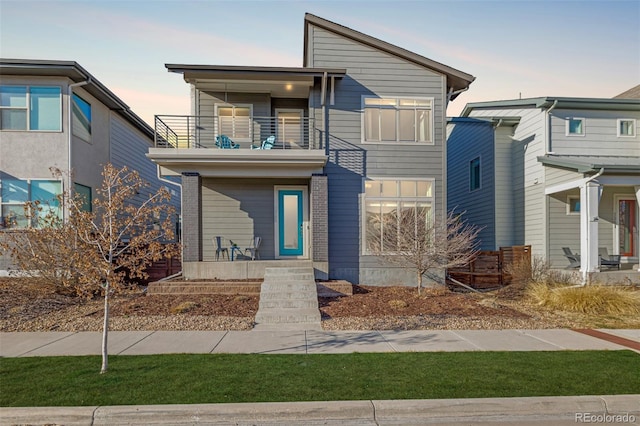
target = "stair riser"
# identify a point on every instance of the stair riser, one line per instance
(288, 304)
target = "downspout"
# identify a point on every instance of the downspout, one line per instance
(547, 124)
(584, 273)
(323, 104)
(70, 132)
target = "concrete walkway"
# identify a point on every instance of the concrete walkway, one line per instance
(311, 341)
(612, 409)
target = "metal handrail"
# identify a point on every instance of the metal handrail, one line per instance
(189, 131)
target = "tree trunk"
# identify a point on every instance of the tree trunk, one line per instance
(105, 330)
(419, 283)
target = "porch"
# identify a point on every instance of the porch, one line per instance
(238, 269)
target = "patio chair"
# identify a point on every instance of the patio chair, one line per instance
(266, 144)
(224, 142)
(253, 250)
(220, 248)
(610, 261)
(574, 258)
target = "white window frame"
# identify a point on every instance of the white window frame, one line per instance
(633, 126)
(399, 198)
(397, 107)
(569, 211)
(568, 126)
(27, 108)
(234, 106)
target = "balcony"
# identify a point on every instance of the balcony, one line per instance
(187, 144)
(195, 132)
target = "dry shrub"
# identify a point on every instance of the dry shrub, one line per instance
(241, 298)
(591, 299)
(184, 307)
(397, 304)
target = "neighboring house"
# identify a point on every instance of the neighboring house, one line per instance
(37, 132)
(551, 172)
(358, 133)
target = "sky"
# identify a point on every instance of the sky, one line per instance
(514, 48)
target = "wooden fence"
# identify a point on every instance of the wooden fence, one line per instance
(488, 269)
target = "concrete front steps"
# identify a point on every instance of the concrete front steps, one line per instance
(288, 300)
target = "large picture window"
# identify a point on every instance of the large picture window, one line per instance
(398, 120)
(16, 192)
(388, 200)
(33, 108)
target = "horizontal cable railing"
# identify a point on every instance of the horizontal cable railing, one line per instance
(188, 131)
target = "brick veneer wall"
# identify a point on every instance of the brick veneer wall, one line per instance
(320, 217)
(191, 217)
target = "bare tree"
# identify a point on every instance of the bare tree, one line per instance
(95, 250)
(414, 239)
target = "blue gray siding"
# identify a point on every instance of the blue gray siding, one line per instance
(468, 140)
(370, 72)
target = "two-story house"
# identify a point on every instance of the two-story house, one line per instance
(56, 114)
(551, 172)
(310, 156)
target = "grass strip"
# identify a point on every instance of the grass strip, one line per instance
(217, 378)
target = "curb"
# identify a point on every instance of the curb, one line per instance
(578, 409)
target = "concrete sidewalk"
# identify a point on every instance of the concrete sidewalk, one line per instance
(569, 410)
(311, 342)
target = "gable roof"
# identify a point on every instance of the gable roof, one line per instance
(633, 93)
(560, 102)
(76, 73)
(456, 79)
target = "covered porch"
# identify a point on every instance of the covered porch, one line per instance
(593, 215)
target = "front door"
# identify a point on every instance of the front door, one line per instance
(626, 226)
(290, 215)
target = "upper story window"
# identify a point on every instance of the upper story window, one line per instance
(626, 128)
(16, 192)
(235, 121)
(575, 127)
(81, 118)
(474, 174)
(398, 119)
(33, 108)
(386, 202)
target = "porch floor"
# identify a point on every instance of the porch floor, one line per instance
(237, 270)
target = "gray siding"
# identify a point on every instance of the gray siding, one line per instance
(600, 133)
(505, 207)
(564, 228)
(370, 72)
(238, 210)
(467, 141)
(128, 148)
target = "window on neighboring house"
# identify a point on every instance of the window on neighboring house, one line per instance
(474, 174)
(81, 118)
(575, 127)
(16, 192)
(235, 122)
(573, 204)
(33, 108)
(386, 201)
(84, 192)
(398, 119)
(626, 127)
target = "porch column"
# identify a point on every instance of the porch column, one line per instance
(320, 225)
(191, 218)
(589, 200)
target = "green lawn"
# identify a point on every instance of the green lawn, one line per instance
(190, 379)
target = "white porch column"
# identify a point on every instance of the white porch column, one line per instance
(589, 201)
(637, 189)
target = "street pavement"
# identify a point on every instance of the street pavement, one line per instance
(608, 409)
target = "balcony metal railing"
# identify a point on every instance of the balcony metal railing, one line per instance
(188, 131)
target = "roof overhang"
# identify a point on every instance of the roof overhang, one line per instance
(560, 103)
(291, 82)
(73, 71)
(456, 79)
(590, 164)
(239, 163)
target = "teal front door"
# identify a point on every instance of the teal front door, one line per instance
(290, 222)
